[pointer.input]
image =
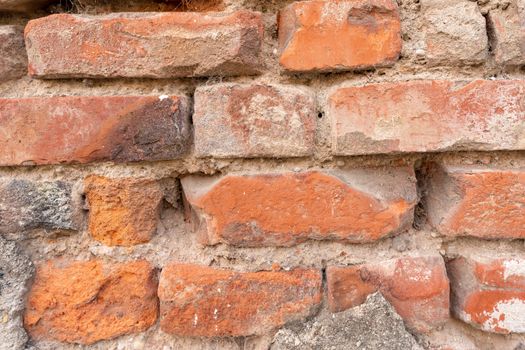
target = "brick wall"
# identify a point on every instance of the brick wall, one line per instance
(244, 174)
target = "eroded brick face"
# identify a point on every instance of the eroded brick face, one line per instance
(233, 120)
(84, 302)
(489, 293)
(208, 302)
(417, 288)
(427, 116)
(507, 30)
(122, 211)
(87, 129)
(322, 36)
(152, 45)
(283, 209)
(477, 201)
(13, 57)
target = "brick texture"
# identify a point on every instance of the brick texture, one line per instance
(477, 201)
(233, 120)
(84, 302)
(507, 30)
(123, 211)
(417, 287)
(13, 58)
(153, 45)
(207, 302)
(282, 209)
(489, 293)
(323, 36)
(87, 129)
(427, 116)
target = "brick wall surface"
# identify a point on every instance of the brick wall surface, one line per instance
(256, 175)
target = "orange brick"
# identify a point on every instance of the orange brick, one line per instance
(283, 209)
(84, 302)
(207, 302)
(417, 288)
(339, 35)
(122, 211)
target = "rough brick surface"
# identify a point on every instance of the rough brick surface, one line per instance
(282, 209)
(202, 301)
(155, 45)
(507, 31)
(22, 5)
(84, 302)
(86, 129)
(417, 287)
(233, 120)
(477, 201)
(339, 35)
(489, 293)
(27, 205)
(122, 211)
(13, 58)
(427, 116)
(455, 32)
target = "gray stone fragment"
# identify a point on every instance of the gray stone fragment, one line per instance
(370, 326)
(16, 270)
(26, 205)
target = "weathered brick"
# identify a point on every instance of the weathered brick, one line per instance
(417, 287)
(51, 130)
(489, 293)
(339, 35)
(427, 116)
(484, 202)
(153, 45)
(27, 205)
(13, 58)
(122, 211)
(454, 32)
(507, 33)
(233, 120)
(283, 209)
(84, 302)
(203, 301)
(22, 5)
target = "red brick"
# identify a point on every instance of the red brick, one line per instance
(484, 202)
(207, 302)
(124, 211)
(454, 32)
(233, 120)
(489, 293)
(51, 130)
(507, 30)
(339, 35)
(427, 116)
(84, 302)
(13, 58)
(22, 5)
(153, 45)
(283, 209)
(416, 287)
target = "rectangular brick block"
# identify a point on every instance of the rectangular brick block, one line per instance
(232, 120)
(417, 287)
(507, 32)
(476, 201)
(84, 302)
(27, 205)
(13, 57)
(123, 211)
(52, 130)
(201, 301)
(323, 36)
(283, 209)
(455, 32)
(152, 45)
(22, 5)
(489, 293)
(428, 116)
